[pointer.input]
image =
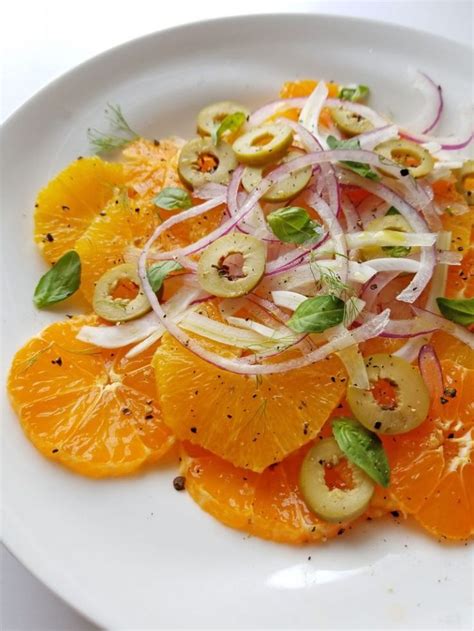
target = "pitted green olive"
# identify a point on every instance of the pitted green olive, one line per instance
(403, 408)
(349, 122)
(408, 155)
(389, 222)
(263, 144)
(200, 161)
(119, 309)
(466, 181)
(285, 189)
(212, 116)
(335, 504)
(232, 265)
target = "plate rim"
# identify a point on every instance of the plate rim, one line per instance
(16, 545)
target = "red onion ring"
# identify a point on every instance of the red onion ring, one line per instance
(431, 372)
(427, 257)
(264, 112)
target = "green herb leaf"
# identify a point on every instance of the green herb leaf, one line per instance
(232, 122)
(392, 211)
(363, 448)
(293, 225)
(355, 93)
(315, 315)
(358, 167)
(459, 311)
(105, 142)
(396, 251)
(173, 198)
(60, 282)
(159, 271)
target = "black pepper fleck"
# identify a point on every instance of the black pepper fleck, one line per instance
(179, 483)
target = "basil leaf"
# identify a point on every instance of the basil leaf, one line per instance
(315, 315)
(355, 93)
(232, 122)
(363, 448)
(392, 211)
(60, 282)
(159, 271)
(459, 311)
(396, 251)
(358, 167)
(173, 198)
(293, 225)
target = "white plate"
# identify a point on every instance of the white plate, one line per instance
(133, 553)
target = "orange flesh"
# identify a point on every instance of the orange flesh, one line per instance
(385, 393)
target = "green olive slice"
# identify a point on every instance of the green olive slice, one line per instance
(335, 504)
(409, 400)
(349, 122)
(466, 174)
(232, 265)
(263, 144)
(408, 155)
(200, 161)
(119, 309)
(212, 116)
(285, 189)
(389, 222)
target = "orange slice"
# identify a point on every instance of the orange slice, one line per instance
(251, 422)
(121, 229)
(151, 165)
(70, 201)
(433, 467)
(90, 409)
(267, 504)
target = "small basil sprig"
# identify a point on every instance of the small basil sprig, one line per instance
(358, 167)
(355, 93)
(293, 225)
(232, 122)
(392, 211)
(173, 198)
(317, 314)
(60, 282)
(363, 448)
(459, 311)
(159, 271)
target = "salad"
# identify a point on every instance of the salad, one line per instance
(284, 303)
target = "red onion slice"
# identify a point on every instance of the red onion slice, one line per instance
(374, 286)
(361, 110)
(261, 115)
(457, 331)
(447, 143)
(431, 372)
(371, 139)
(427, 257)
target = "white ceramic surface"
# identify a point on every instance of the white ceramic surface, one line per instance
(133, 553)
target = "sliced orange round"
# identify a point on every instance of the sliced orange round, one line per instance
(91, 409)
(70, 201)
(120, 230)
(250, 421)
(433, 466)
(267, 504)
(151, 165)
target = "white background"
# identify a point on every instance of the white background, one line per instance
(41, 39)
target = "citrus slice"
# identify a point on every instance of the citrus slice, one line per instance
(433, 466)
(120, 230)
(151, 165)
(267, 504)
(90, 409)
(70, 201)
(251, 422)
